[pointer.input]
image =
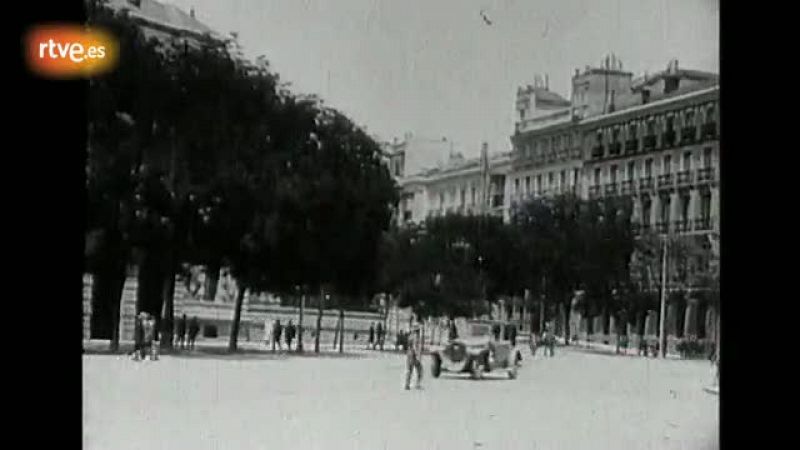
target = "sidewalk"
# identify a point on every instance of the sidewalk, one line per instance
(608, 348)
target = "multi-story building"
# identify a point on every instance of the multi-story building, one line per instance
(654, 139)
(163, 21)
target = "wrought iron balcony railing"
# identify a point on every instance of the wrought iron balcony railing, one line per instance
(681, 226)
(631, 146)
(615, 148)
(611, 189)
(626, 187)
(597, 152)
(665, 180)
(646, 183)
(705, 175)
(662, 227)
(684, 177)
(702, 224)
(594, 191)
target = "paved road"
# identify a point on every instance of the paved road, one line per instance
(573, 401)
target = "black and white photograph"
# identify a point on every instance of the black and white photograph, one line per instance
(418, 224)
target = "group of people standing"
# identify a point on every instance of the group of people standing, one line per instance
(147, 336)
(274, 331)
(376, 336)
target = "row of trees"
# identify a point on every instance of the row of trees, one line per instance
(551, 249)
(196, 157)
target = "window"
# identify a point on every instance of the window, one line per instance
(463, 197)
(575, 176)
(597, 177)
(632, 132)
(707, 157)
(613, 174)
(599, 138)
(615, 135)
(667, 164)
(651, 127)
(210, 331)
(550, 179)
(705, 205)
(441, 200)
(528, 185)
(631, 170)
(516, 186)
(647, 207)
(665, 206)
(407, 216)
(539, 183)
(684, 207)
(648, 168)
(563, 180)
(670, 123)
(473, 195)
(687, 161)
(689, 118)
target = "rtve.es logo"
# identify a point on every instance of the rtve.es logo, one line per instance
(70, 51)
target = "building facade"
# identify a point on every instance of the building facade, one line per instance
(653, 139)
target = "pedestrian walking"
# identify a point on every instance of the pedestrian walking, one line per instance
(138, 336)
(550, 341)
(181, 332)
(496, 331)
(155, 343)
(414, 358)
(290, 331)
(371, 341)
(194, 328)
(149, 332)
(453, 332)
(276, 335)
(379, 335)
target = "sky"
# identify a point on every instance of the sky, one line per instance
(435, 68)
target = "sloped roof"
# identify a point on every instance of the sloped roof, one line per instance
(164, 15)
(545, 97)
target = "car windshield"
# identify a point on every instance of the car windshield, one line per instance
(479, 330)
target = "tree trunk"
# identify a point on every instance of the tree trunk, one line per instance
(319, 318)
(169, 306)
(237, 316)
(341, 332)
(212, 280)
(567, 313)
(116, 299)
(300, 324)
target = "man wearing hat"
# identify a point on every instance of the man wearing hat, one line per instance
(414, 357)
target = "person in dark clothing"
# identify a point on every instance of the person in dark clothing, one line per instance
(453, 334)
(371, 339)
(180, 335)
(277, 330)
(289, 335)
(512, 335)
(194, 328)
(138, 337)
(379, 335)
(496, 332)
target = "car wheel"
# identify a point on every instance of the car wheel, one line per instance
(512, 373)
(436, 366)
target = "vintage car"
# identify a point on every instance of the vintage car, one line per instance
(476, 353)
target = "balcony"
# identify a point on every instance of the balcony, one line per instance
(684, 177)
(682, 226)
(702, 224)
(594, 191)
(705, 175)
(688, 135)
(649, 143)
(646, 183)
(576, 153)
(668, 139)
(597, 152)
(662, 227)
(665, 181)
(631, 146)
(614, 148)
(626, 187)
(709, 131)
(563, 154)
(551, 157)
(611, 189)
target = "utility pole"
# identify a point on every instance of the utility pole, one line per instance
(661, 336)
